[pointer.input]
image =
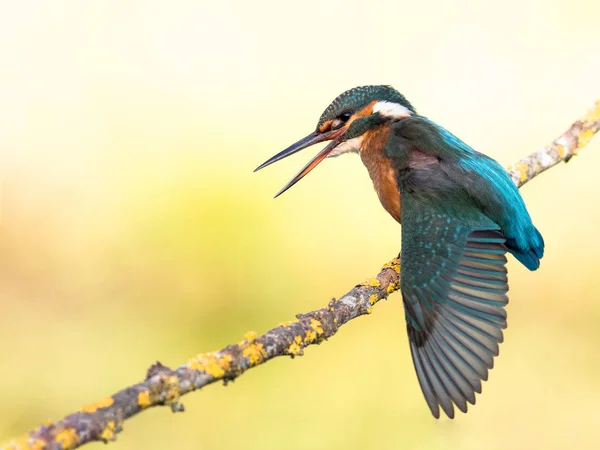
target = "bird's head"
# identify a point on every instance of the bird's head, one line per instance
(345, 121)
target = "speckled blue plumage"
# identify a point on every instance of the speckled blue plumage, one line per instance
(454, 287)
(460, 214)
(357, 97)
(482, 178)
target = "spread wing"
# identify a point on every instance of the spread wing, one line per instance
(454, 288)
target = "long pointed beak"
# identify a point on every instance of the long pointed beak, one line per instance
(312, 139)
(307, 168)
(303, 143)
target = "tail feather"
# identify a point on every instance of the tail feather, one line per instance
(530, 256)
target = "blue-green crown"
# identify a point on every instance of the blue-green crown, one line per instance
(356, 98)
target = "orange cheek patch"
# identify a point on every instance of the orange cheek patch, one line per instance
(325, 127)
(365, 112)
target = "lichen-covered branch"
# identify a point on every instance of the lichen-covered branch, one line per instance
(101, 421)
(563, 148)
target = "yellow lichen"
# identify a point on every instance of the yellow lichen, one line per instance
(287, 323)
(372, 282)
(108, 433)
(144, 399)
(521, 168)
(67, 438)
(561, 150)
(164, 390)
(369, 310)
(250, 336)
(296, 347)
(393, 287)
(583, 139)
(211, 364)
(373, 299)
(310, 337)
(172, 390)
(393, 264)
(93, 407)
(255, 353)
(316, 325)
(37, 444)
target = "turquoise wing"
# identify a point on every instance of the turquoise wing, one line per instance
(454, 287)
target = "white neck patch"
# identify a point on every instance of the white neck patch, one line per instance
(392, 110)
(349, 146)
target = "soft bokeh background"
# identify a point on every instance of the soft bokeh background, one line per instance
(133, 229)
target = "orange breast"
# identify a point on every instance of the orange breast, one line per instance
(380, 169)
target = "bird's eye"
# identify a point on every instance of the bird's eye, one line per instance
(340, 120)
(345, 116)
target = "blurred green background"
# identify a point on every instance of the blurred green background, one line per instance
(133, 229)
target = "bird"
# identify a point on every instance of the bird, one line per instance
(460, 214)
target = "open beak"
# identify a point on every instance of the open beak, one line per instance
(311, 139)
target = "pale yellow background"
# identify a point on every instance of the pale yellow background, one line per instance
(133, 229)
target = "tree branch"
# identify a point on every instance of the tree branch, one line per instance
(101, 421)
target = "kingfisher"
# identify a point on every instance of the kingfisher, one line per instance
(460, 214)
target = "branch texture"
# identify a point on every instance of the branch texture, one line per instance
(102, 420)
